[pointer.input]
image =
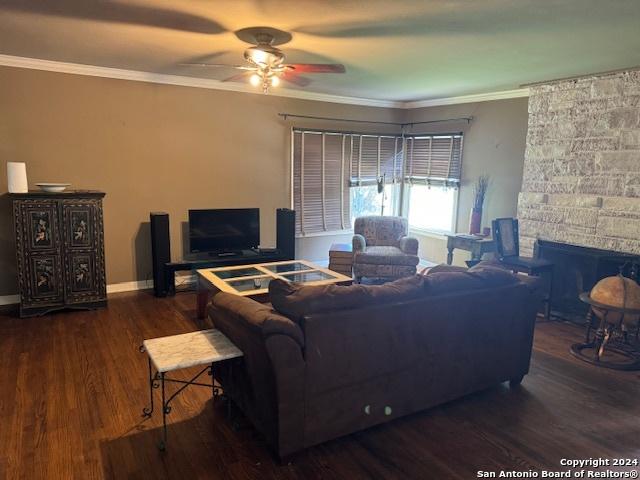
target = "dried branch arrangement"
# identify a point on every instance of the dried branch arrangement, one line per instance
(480, 190)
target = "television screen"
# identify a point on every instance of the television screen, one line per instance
(224, 229)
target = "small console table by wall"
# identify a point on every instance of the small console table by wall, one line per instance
(478, 246)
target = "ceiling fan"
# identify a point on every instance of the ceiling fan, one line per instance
(265, 62)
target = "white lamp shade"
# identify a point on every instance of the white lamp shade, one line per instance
(17, 177)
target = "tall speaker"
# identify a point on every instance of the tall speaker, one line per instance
(160, 251)
(286, 232)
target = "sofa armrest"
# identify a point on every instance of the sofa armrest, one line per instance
(289, 368)
(409, 245)
(269, 385)
(359, 243)
(255, 316)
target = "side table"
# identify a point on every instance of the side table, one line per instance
(341, 258)
(167, 354)
(478, 246)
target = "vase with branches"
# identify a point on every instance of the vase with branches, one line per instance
(480, 188)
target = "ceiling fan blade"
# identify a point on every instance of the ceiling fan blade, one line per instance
(219, 65)
(289, 76)
(119, 12)
(317, 67)
(239, 77)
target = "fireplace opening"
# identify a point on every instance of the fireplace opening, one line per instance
(577, 269)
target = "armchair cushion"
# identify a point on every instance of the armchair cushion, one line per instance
(409, 245)
(386, 256)
(381, 231)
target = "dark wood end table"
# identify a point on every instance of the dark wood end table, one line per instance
(478, 246)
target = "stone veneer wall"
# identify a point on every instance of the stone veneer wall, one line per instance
(581, 179)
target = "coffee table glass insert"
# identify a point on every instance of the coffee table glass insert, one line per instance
(246, 280)
(240, 272)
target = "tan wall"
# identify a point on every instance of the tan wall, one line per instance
(494, 144)
(166, 148)
(150, 148)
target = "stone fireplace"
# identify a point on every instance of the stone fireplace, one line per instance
(581, 179)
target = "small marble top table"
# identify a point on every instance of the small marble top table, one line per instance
(167, 354)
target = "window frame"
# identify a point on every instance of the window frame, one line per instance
(394, 199)
(402, 196)
(431, 232)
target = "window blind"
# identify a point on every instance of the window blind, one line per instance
(434, 159)
(376, 156)
(326, 164)
(321, 181)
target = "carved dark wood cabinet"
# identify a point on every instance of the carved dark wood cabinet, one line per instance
(60, 251)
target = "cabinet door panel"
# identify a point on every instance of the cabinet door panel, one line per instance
(83, 250)
(81, 285)
(43, 280)
(79, 219)
(40, 225)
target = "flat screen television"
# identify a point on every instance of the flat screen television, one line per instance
(224, 230)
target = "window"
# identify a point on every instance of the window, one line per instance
(432, 176)
(320, 181)
(335, 178)
(366, 200)
(432, 208)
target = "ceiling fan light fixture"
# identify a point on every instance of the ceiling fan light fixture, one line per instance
(255, 80)
(264, 55)
(266, 63)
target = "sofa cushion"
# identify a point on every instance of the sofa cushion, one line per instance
(386, 256)
(258, 315)
(482, 276)
(298, 300)
(442, 267)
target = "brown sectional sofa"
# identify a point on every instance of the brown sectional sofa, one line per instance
(328, 361)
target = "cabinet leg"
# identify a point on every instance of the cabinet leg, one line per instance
(449, 255)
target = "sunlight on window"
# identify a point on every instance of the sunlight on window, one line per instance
(432, 208)
(367, 201)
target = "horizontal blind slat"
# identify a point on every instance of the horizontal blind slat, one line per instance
(321, 194)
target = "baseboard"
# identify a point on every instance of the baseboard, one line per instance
(113, 288)
(9, 299)
(129, 286)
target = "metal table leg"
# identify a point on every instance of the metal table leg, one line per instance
(162, 445)
(148, 411)
(158, 380)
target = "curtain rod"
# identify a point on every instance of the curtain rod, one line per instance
(370, 134)
(396, 124)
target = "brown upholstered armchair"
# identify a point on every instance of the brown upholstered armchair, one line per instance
(382, 249)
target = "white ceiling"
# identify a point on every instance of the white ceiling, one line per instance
(393, 50)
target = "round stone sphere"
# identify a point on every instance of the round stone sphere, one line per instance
(618, 292)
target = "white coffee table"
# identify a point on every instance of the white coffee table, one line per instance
(168, 354)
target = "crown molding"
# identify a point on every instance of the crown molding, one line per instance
(478, 97)
(180, 80)
(185, 81)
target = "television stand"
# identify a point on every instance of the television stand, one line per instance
(243, 257)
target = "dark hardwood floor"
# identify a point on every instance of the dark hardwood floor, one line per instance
(73, 385)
